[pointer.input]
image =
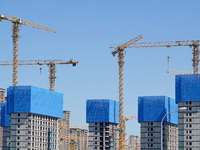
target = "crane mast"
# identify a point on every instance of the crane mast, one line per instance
(17, 22)
(120, 50)
(15, 37)
(121, 96)
(131, 44)
(195, 58)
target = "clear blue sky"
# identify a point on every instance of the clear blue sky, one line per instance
(85, 30)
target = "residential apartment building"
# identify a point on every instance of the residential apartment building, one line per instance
(151, 110)
(34, 114)
(64, 131)
(133, 143)
(188, 95)
(102, 116)
(79, 138)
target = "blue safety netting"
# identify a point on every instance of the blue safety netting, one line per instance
(5, 118)
(153, 109)
(187, 88)
(30, 99)
(102, 110)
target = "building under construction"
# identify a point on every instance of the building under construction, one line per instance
(133, 143)
(33, 124)
(188, 95)
(79, 138)
(64, 132)
(103, 118)
(151, 110)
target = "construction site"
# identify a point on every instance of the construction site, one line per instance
(38, 118)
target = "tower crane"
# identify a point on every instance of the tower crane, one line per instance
(17, 22)
(131, 44)
(119, 49)
(126, 118)
(178, 72)
(50, 63)
(191, 43)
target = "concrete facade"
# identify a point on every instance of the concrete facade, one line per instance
(103, 136)
(6, 138)
(80, 138)
(133, 143)
(151, 136)
(33, 132)
(2, 95)
(64, 131)
(189, 126)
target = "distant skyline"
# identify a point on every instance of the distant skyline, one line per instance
(84, 32)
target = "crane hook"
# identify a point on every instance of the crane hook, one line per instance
(168, 58)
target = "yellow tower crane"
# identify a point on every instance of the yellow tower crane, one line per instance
(120, 50)
(178, 72)
(131, 44)
(126, 118)
(17, 22)
(191, 43)
(50, 63)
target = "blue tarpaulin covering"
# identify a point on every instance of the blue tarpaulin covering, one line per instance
(153, 109)
(187, 88)
(5, 118)
(102, 110)
(30, 99)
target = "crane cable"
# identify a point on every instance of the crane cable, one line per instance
(40, 75)
(168, 58)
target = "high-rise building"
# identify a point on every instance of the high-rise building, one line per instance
(188, 95)
(133, 143)
(151, 110)
(64, 131)
(103, 118)
(34, 114)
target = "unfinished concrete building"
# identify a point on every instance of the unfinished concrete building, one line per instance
(151, 110)
(103, 118)
(188, 95)
(34, 114)
(2, 95)
(64, 131)
(79, 137)
(133, 143)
